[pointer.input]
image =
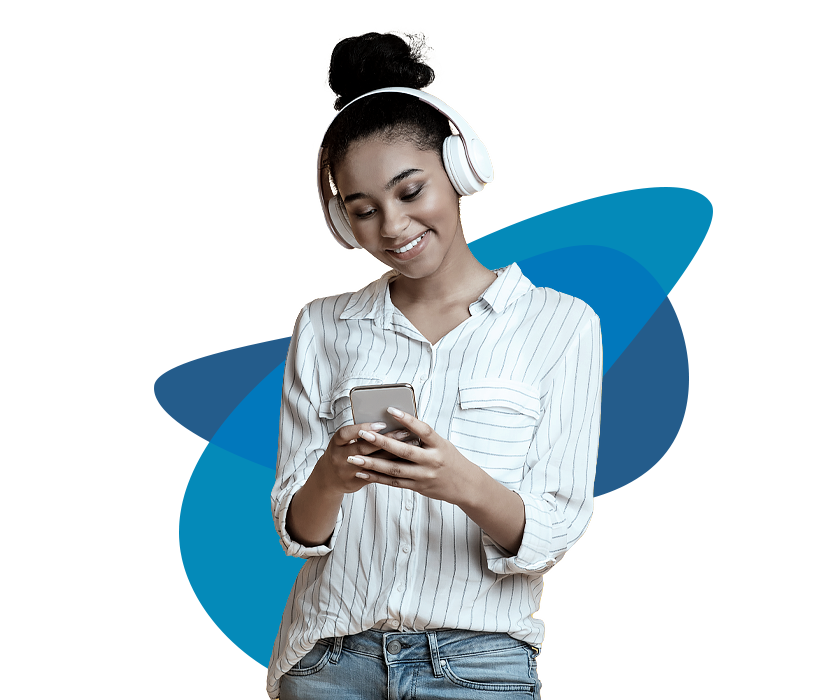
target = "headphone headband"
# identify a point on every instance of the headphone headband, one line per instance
(468, 174)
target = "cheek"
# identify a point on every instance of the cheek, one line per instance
(442, 206)
(361, 237)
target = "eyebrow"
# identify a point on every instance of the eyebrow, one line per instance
(389, 185)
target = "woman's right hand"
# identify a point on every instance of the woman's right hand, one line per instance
(312, 512)
(336, 472)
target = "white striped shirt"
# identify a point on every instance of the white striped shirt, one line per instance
(515, 387)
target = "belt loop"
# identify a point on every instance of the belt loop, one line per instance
(338, 647)
(434, 655)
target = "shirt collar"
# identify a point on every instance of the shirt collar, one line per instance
(374, 302)
(508, 287)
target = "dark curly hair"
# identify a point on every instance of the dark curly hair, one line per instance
(364, 63)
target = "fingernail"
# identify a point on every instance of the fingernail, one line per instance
(361, 475)
(359, 461)
(395, 412)
(378, 426)
(367, 435)
(401, 434)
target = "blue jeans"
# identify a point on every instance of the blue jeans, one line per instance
(452, 664)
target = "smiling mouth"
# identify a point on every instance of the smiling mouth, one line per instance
(411, 244)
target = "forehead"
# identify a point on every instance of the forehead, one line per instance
(372, 163)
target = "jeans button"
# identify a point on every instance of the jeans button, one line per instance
(393, 647)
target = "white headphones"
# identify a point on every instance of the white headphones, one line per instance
(465, 159)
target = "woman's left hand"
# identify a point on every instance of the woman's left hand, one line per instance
(435, 469)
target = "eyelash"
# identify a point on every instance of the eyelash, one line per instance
(408, 197)
(411, 195)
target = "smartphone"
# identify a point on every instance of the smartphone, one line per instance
(369, 404)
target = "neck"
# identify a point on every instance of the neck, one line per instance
(460, 279)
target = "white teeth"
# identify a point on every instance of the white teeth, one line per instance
(411, 245)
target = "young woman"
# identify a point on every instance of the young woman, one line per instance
(425, 561)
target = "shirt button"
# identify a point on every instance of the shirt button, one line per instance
(405, 549)
(407, 505)
(422, 378)
(401, 587)
(393, 647)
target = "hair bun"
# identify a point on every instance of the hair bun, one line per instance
(372, 61)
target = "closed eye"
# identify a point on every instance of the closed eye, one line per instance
(406, 197)
(409, 196)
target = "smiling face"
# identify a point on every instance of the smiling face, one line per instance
(401, 205)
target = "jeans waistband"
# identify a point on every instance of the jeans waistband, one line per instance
(429, 646)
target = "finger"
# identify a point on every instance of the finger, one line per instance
(415, 426)
(379, 478)
(384, 471)
(348, 433)
(363, 460)
(399, 435)
(382, 454)
(374, 427)
(392, 467)
(365, 447)
(400, 449)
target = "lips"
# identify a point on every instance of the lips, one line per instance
(411, 243)
(412, 247)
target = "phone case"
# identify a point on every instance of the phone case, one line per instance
(369, 403)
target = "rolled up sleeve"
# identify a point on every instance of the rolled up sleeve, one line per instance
(302, 436)
(558, 486)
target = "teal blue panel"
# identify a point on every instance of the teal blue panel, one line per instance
(220, 594)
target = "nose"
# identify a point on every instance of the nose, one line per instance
(395, 222)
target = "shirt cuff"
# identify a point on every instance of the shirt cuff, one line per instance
(541, 546)
(292, 547)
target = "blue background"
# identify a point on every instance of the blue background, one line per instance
(640, 255)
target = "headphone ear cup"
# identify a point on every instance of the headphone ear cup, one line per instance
(458, 168)
(340, 220)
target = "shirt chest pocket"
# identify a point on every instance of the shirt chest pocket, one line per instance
(494, 423)
(336, 408)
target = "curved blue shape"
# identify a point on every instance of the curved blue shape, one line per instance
(624, 225)
(652, 455)
(618, 288)
(231, 551)
(209, 351)
(252, 429)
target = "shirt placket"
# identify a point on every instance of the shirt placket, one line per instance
(411, 513)
(410, 556)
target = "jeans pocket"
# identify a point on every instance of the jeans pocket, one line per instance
(313, 662)
(502, 670)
